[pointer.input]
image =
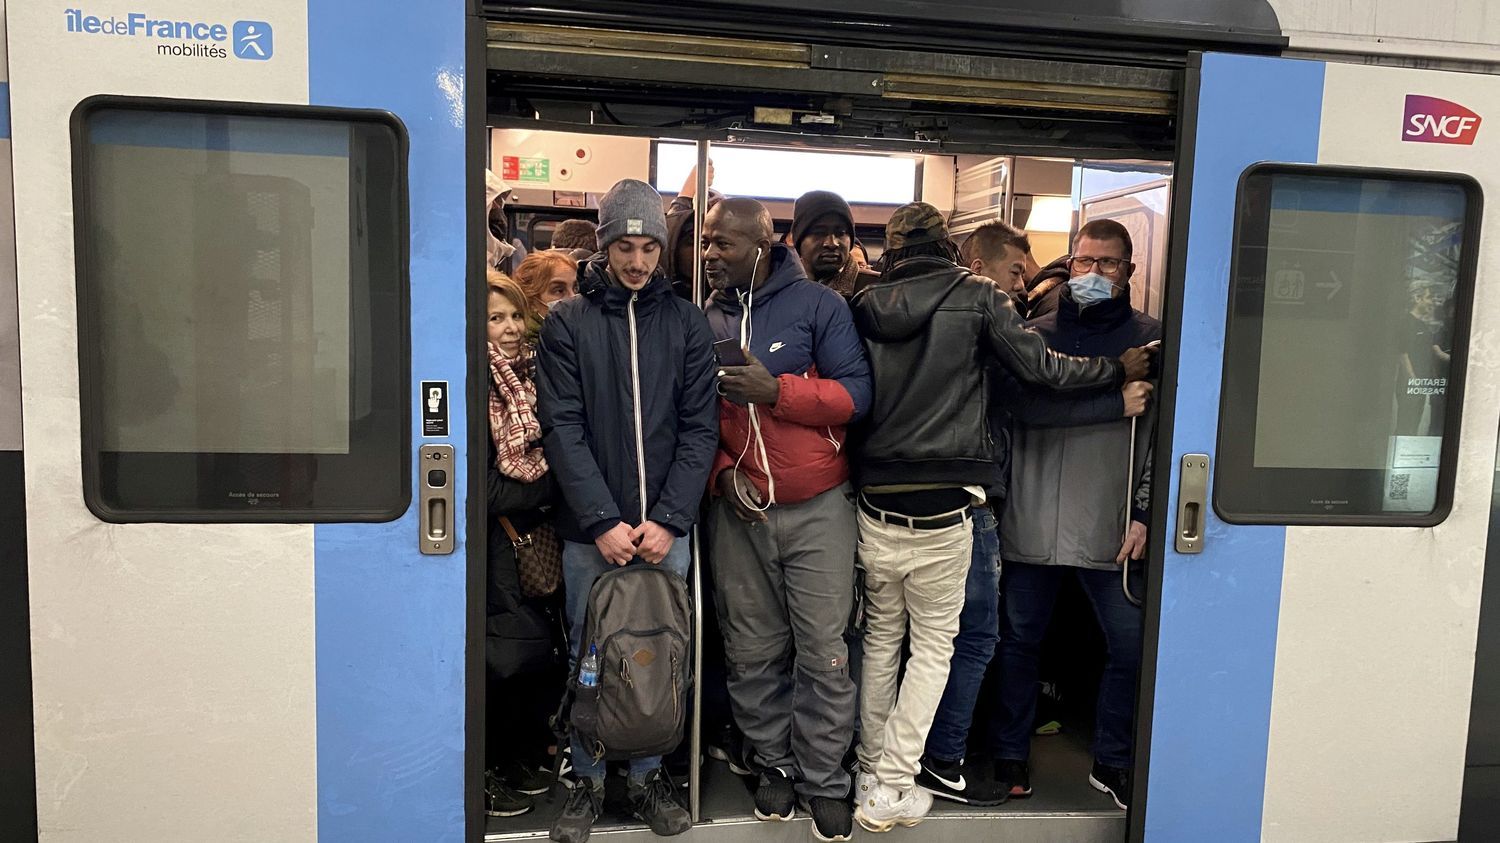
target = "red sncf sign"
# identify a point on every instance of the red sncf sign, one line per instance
(1433, 120)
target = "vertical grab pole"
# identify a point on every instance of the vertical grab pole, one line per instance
(695, 741)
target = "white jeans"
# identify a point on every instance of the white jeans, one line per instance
(915, 575)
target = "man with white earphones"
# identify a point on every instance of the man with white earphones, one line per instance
(793, 375)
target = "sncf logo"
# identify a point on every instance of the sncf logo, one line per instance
(1431, 120)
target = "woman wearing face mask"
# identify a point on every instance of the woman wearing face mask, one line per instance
(522, 642)
(546, 278)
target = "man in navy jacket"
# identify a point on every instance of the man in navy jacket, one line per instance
(782, 527)
(626, 400)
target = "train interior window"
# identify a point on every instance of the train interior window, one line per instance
(1344, 351)
(244, 271)
(1048, 198)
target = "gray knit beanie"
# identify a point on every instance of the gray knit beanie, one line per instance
(631, 209)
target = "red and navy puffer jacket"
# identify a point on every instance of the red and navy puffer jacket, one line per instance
(803, 334)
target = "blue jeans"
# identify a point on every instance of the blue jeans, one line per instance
(582, 565)
(978, 631)
(1030, 593)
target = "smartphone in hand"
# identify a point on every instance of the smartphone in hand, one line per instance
(729, 352)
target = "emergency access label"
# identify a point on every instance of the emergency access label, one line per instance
(517, 169)
(249, 40)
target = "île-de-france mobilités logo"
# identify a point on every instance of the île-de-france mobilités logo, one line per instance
(248, 40)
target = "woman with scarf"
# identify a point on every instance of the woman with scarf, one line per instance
(524, 651)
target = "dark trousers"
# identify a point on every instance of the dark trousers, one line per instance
(1030, 591)
(973, 647)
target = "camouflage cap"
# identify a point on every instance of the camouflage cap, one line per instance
(915, 224)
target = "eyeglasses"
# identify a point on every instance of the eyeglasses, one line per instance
(1084, 263)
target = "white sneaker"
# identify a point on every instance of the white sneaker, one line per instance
(886, 807)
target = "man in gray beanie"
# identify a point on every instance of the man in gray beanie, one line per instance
(629, 415)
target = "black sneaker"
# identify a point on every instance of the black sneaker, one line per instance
(501, 800)
(775, 799)
(519, 776)
(585, 802)
(833, 819)
(655, 803)
(1112, 780)
(1014, 777)
(721, 746)
(959, 783)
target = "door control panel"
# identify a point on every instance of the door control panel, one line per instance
(435, 468)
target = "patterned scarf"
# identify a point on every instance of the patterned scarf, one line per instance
(513, 423)
(843, 283)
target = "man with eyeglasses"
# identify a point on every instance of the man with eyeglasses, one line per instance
(1072, 462)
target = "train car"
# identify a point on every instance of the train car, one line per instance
(242, 386)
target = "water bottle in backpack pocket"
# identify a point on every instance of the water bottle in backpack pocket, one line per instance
(630, 691)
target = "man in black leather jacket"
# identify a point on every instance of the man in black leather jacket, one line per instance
(932, 330)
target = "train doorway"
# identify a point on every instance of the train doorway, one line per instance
(573, 111)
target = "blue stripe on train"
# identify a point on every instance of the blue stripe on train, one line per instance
(1217, 647)
(390, 623)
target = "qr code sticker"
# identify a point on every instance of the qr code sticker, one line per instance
(1400, 486)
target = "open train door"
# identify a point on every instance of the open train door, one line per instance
(247, 239)
(1331, 397)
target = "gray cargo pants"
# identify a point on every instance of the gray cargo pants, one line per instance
(784, 590)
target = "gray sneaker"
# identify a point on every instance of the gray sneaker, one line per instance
(655, 803)
(583, 806)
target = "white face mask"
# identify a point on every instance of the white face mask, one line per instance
(1091, 289)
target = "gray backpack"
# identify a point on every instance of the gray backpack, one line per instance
(640, 618)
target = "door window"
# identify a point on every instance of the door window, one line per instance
(242, 312)
(1344, 350)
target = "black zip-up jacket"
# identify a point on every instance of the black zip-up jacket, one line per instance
(616, 459)
(521, 634)
(932, 329)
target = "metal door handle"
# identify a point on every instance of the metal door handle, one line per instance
(435, 500)
(1192, 502)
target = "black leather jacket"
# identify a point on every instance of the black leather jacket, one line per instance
(931, 328)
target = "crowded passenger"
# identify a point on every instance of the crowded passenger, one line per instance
(524, 678)
(926, 457)
(497, 231)
(782, 529)
(682, 239)
(945, 772)
(579, 238)
(860, 255)
(823, 235)
(1069, 513)
(628, 412)
(1002, 253)
(546, 278)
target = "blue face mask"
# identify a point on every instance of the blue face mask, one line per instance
(1091, 289)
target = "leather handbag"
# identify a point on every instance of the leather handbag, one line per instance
(538, 558)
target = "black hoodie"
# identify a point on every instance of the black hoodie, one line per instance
(932, 331)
